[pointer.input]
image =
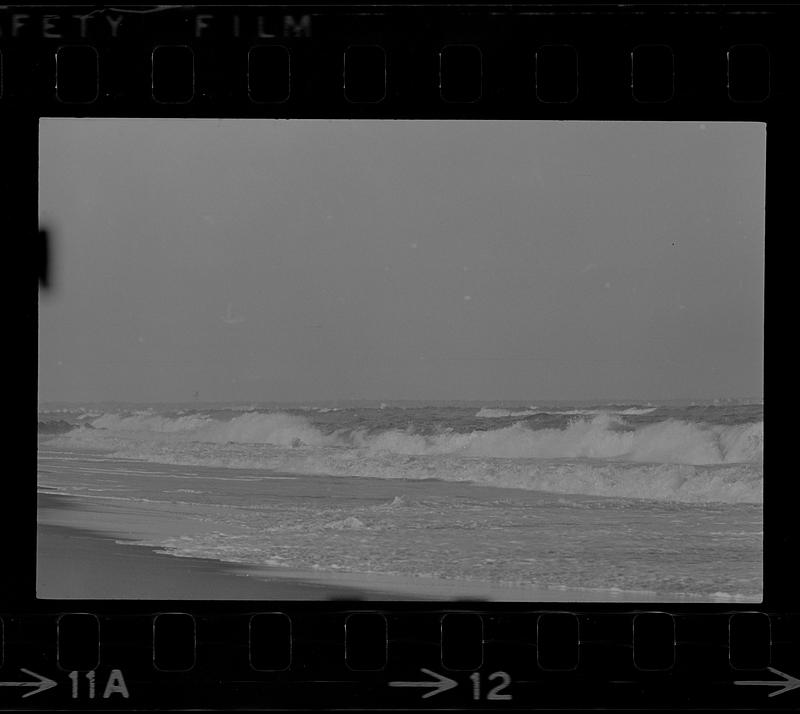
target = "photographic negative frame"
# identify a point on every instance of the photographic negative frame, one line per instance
(526, 64)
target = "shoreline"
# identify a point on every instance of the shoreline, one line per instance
(84, 552)
(76, 561)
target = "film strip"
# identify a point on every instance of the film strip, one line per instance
(733, 63)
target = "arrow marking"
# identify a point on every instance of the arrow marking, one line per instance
(787, 683)
(42, 685)
(441, 685)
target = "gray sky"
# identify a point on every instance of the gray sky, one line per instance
(301, 260)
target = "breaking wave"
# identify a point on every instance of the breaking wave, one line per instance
(487, 413)
(58, 426)
(672, 460)
(604, 436)
(275, 428)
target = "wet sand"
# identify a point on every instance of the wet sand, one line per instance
(77, 562)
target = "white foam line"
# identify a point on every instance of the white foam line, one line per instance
(129, 499)
(201, 477)
(122, 471)
(47, 457)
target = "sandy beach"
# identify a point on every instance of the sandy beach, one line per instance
(87, 549)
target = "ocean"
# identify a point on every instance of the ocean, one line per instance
(611, 499)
